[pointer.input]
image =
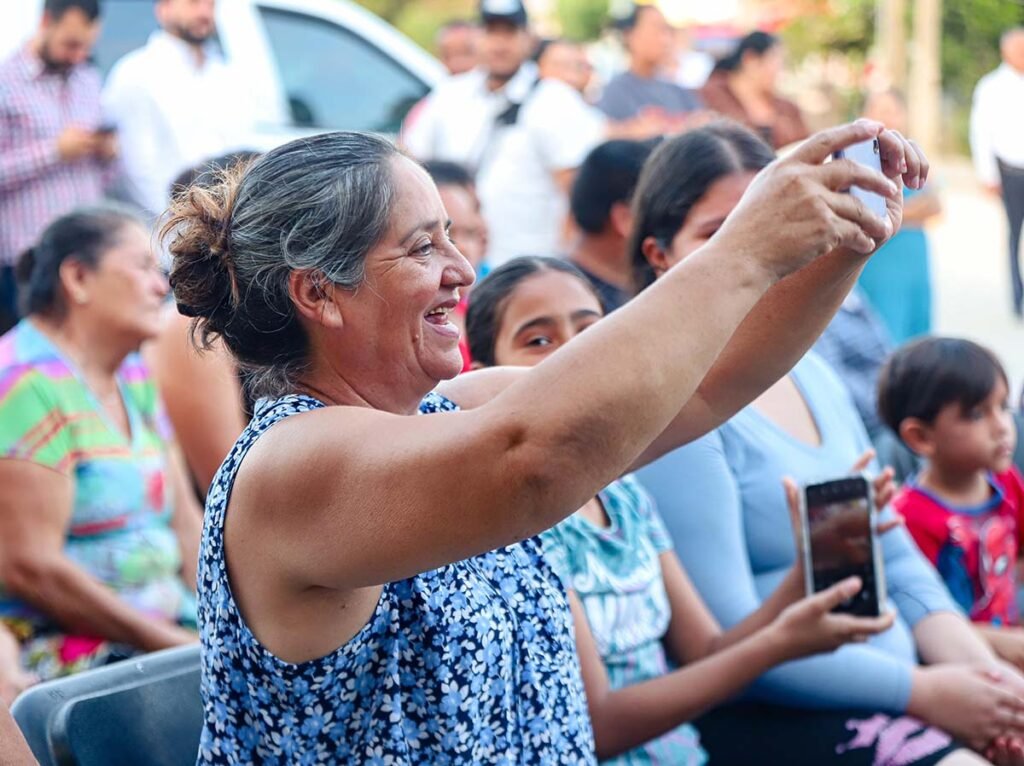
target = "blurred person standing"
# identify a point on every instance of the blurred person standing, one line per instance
(523, 137)
(176, 101)
(468, 230)
(743, 87)
(566, 60)
(997, 143)
(643, 89)
(458, 45)
(898, 281)
(601, 209)
(52, 153)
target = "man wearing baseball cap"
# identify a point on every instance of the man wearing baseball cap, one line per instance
(521, 136)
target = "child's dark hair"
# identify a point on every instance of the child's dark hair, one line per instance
(924, 376)
(488, 299)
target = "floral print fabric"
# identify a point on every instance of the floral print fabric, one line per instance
(471, 663)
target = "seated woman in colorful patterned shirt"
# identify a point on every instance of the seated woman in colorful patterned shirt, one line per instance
(636, 613)
(98, 534)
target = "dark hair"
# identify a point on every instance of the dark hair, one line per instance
(208, 172)
(317, 205)
(628, 22)
(676, 177)
(488, 299)
(447, 173)
(84, 235)
(56, 9)
(755, 42)
(924, 376)
(608, 175)
(547, 43)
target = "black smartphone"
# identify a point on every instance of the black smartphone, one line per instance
(840, 541)
(106, 128)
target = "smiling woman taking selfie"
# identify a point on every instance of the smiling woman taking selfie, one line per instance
(364, 595)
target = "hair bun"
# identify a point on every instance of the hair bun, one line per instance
(203, 274)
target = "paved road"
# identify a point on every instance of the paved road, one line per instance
(971, 269)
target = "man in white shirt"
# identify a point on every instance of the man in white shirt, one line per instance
(522, 136)
(175, 102)
(997, 143)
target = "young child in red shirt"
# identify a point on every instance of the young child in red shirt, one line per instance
(948, 401)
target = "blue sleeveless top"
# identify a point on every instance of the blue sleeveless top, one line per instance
(471, 663)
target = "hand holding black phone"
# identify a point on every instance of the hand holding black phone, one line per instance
(840, 540)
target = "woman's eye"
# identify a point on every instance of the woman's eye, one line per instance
(539, 341)
(424, 250)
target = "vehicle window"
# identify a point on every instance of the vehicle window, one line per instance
(126, 26)
(335, 80)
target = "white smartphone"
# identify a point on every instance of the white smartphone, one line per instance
(868, 154)
(840, 540)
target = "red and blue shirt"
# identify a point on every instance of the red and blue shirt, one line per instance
(974, 549)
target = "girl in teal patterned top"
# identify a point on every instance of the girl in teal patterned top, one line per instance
(636, 614)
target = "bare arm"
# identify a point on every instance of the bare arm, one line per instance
(627, 717)
(777, 332)
(35, 509)
(202, 396)
(187, 521)
(13, 747)
(694, 633)
(543, 446)
(945, 637)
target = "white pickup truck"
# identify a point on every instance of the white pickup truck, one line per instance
(318, 65)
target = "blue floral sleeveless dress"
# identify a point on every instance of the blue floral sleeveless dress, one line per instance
(472, 663)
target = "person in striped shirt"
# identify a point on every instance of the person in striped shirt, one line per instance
(54, 155)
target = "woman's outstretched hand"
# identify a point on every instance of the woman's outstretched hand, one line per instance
(797, 210)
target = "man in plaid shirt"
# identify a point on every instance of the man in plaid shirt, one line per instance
(53, 157)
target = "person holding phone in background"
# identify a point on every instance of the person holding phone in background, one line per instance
(722, 503)
(54, 155)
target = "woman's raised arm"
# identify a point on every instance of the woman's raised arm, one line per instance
(387, 496)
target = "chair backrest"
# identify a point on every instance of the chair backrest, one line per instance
(145, 711)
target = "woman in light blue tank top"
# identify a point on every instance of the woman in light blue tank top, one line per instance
(371, 587)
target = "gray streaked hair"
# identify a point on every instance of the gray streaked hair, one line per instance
(316, 205)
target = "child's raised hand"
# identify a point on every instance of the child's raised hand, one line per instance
(810, 627)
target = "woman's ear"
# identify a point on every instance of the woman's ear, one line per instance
(315, 298)
(655, 254)
(74, 278)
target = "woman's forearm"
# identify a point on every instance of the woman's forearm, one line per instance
(13, 748)
(626, 718)
(943, 637)
(81, 604)
(774, 336)
(645, 377)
